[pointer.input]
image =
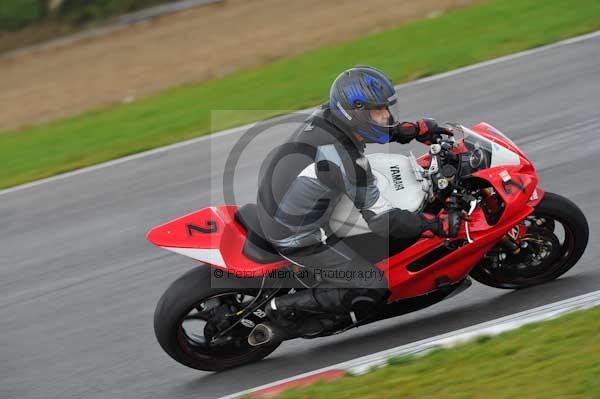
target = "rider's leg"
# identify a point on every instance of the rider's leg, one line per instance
(349, 283)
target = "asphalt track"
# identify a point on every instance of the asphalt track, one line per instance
(79, 282)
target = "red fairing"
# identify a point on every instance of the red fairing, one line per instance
(536, 197)
(210, 235)
(491, 133)
(457, 264)
(519, 203)
(201, 229)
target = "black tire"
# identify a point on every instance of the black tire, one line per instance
(182, 297)
(576, 231)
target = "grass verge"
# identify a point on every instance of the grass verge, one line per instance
(554, 359)
(414, 50)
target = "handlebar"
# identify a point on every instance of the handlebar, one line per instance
(445, 172)
(446, 177)
(442, 174)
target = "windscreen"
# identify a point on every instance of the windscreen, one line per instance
(484, 153)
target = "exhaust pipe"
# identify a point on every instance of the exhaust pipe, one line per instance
(261, 334)
(267, 333)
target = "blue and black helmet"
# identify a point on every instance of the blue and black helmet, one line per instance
(354, 93)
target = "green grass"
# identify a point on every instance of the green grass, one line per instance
(555, 359)
(414, 50)
(14, 14)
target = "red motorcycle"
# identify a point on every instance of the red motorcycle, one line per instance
(513, 236)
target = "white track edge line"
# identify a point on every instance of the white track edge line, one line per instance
(364, 364)
(143, 154)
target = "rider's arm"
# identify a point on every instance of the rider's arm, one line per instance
(353, 176)
(386, 221)
(403, 224)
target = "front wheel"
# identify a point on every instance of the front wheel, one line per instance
(200, 326)
(557, 235)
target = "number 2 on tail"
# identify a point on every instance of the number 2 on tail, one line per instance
(212, 228)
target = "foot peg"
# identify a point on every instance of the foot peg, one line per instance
(263, 334)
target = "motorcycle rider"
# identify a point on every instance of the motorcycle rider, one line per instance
(301, 181)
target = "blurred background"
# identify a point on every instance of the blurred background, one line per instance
(121, 57)
(86, 81)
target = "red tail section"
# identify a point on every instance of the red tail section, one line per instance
(210, 235)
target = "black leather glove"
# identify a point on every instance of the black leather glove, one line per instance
(446, 226)
(405, 132)
(429, 132)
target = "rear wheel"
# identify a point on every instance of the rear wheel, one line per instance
(557, 235)
(200, 326)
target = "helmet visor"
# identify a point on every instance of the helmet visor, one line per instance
(385, 115)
